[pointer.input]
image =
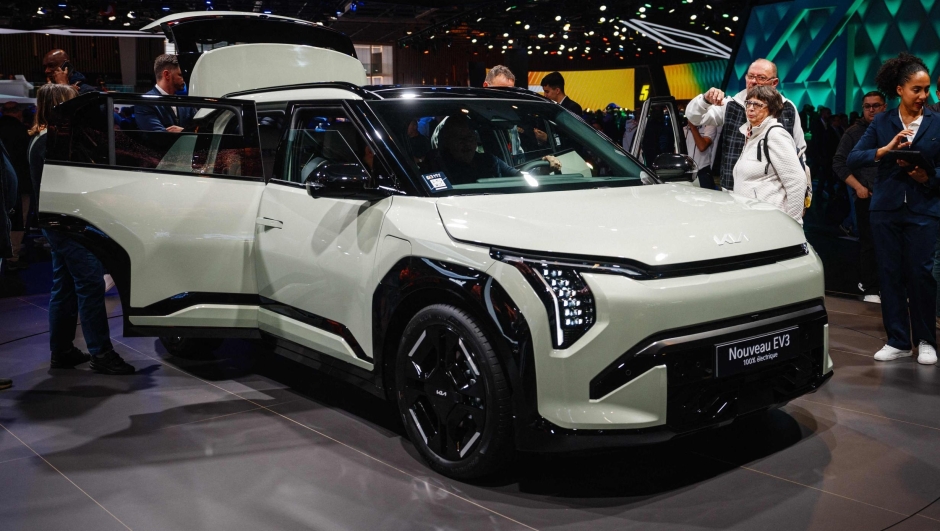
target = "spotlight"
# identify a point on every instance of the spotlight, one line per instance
(557, 18)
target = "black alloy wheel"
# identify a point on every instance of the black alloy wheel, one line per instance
(452, 394)
(191, 347)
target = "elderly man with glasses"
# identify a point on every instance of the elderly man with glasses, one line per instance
(861, 184)
(713, 108)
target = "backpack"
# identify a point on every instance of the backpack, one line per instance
(808, 198)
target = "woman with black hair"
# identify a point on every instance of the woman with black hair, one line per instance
(905, 208)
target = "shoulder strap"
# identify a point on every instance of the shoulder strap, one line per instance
(765, 148)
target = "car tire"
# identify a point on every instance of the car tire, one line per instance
(452, 393)
(190, 347)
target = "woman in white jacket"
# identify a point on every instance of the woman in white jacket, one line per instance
(769, 168)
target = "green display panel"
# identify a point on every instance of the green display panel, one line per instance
(827, 52)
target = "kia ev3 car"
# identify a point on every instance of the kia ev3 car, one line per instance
(509, 276)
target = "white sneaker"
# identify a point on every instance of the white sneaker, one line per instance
(889, 353)
(872, 298)
(926, 354)
(108, 283)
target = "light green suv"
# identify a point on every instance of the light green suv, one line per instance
(505, 273)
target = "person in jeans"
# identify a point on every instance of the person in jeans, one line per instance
(77, 275)
(860, 185)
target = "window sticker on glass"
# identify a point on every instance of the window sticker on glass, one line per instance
(436, 181)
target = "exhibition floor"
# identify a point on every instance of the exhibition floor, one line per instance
(247, 442)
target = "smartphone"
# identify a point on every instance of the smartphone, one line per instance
(67, 66)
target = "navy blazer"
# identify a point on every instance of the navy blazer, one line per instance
(159, 117)
(893, 184)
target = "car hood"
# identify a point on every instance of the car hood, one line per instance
(657, 225)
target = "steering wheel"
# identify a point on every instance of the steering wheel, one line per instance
(531, 165)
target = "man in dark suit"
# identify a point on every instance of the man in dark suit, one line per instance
(167, 118)
(553, 86)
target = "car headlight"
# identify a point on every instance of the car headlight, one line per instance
(566, 296)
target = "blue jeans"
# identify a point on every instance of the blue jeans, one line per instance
(77, 290)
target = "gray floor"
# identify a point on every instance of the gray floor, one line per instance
(241, 443)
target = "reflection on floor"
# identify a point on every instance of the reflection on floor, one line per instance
(244, 441)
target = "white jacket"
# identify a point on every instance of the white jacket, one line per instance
(700, 112)
(784, 183)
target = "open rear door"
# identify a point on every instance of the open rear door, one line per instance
(170, 214)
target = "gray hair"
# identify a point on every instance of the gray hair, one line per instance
(500, 70)
(164, 62)
(768, 95)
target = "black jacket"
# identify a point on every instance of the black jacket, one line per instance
(159, 117)
(865, 175)
(893, 187)
(571, 105)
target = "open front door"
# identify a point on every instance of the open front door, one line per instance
(165, 190)
(659, 133)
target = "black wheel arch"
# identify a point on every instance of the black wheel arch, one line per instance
(414, 283)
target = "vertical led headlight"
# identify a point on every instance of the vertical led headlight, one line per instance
(566, 296)
(572, 305)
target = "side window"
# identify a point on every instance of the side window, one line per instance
(529, 139)
(140, 133)
(271, 124)
(319, 135)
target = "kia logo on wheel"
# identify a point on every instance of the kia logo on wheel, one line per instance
(441, 393)
(730, 239)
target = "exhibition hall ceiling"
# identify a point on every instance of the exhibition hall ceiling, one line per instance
(565, 28)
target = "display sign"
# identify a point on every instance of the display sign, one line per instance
(755, 352)
(436, 181)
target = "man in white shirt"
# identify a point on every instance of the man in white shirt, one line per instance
(699, 143)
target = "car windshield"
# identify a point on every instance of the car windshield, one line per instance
(482, 146)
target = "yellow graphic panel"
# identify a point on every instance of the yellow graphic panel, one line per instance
(682, 82)
(594, 89)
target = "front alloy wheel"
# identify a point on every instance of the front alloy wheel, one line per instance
(453, 396)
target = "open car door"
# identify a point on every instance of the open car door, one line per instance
(170, 214)
(659, 142)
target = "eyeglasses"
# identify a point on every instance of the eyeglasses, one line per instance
(873, 106)
(759, 79)
(754, 103)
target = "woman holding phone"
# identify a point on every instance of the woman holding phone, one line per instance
(905, 208)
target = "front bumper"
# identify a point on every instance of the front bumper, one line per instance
(695, 398)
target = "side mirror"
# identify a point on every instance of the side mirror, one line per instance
(674, 167)
(339, 179)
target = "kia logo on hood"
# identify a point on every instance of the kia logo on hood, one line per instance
(730, 239)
